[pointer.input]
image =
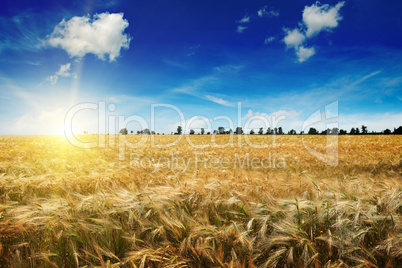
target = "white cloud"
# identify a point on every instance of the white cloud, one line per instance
(64, 72)
(318, 18)
(269, 39)
(52, 79)
(315, 19)
(304, 53)
(104, 34)
(264, 12)
(246, 19)
(218, 100)
(240, 29)
(294, 38)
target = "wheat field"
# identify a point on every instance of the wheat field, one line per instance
(207, 201)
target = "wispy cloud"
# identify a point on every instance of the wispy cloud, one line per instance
(269, 40)
(240, 28)
(201, 87)
(218, 100)
(365, 78)
(265, 12)
(245, 19)
(20, 32)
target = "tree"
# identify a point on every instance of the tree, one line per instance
(353, 131)
(364, 129)
(239, 131)
(268, 131)
(342, 132)
(179, 130)
(221, 130)
(387, 131)
(123, 131)
(192, 132)
(146, 132)
(202, 131)
(280, 131)
(292, 132)
(357, 131)
(398, 130)
(312, 131)
(230, 131)
(334, 131)
(132, 131)
(252, 132)
(261, 131)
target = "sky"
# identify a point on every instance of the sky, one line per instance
(99, 66)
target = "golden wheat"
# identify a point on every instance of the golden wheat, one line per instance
(207, 201)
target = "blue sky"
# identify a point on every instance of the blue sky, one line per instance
(278, 59)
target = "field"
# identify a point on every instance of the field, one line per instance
(187, 206)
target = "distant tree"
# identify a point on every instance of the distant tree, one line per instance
(301, 132)
(312, 131)
(342, 132)
(138, 132)
(132, 131)
(364, 129)
(334, 131)
(280, 131)
(292, 132)
(153, 132)
(387, 131)
(261, 131)
(202, 131)
(252, 132)
(208, 133)
(357, 131)
(146, 132)
(215, 132)
(230, 131)
(221, 130)
(268, 131)
(239, 131)
(179, 130)
(398, 130)
(192, 132)
(353, 131)
(123, 131)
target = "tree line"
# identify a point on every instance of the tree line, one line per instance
(363, 130)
